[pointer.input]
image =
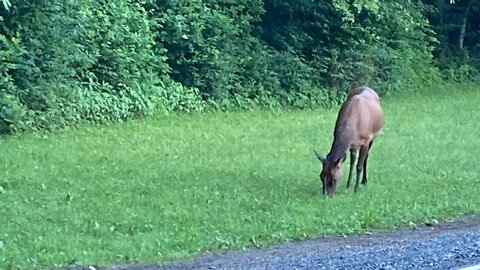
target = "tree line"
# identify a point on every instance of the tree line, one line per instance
(64, 62)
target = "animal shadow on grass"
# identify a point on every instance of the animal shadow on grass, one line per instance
(310, 189)
(315, 190)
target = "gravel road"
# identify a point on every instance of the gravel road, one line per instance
(445, 246)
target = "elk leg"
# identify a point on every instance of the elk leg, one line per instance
(361, 160)
(353, 155)
(364, 180)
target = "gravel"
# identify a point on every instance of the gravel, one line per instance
(445, 246)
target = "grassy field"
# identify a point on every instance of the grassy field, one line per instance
(171, 187)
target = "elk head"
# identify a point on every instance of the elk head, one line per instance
(330, 174)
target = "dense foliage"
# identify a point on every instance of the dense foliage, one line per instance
(67, 61)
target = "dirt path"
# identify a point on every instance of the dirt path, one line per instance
(450, 245)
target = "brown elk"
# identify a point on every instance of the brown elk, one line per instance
(359, 121)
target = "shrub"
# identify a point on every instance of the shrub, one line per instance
(79, 61)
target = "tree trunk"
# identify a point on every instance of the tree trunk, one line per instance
(463, 25)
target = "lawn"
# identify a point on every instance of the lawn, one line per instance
(172, 187)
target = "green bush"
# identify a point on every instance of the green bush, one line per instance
(349, 43)
(178, 98)
(83, 61)
(67, 62)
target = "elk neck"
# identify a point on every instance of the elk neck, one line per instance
(341, 144)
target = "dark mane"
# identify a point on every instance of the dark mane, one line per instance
(340, 146)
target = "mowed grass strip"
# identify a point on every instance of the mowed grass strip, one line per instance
(171, 187)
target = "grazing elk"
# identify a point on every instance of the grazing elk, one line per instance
(359, 121)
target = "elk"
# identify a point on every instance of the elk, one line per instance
(359, 122)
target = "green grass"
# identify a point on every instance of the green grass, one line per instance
(171, 187)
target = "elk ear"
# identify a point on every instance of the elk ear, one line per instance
(322, 159)
(340, 160)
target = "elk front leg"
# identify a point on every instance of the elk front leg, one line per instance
(353, 155)
(360, 163)
(364, 180)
